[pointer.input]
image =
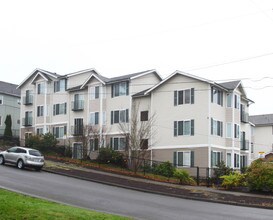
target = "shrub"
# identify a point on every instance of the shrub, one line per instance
(164, 169)
(259, 176)
(222, 170)
(107, 155)
(232, 180)
(184, 177)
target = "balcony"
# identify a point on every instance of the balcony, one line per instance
(28, 100)
(27, 121)
(77, 130)
(77, 105)
(245, 145)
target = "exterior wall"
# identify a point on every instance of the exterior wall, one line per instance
(10, 106)
(166, 113)
(263, 140)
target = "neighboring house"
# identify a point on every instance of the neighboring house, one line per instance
(9, 105)
(198, 122)
(66, 104)
(263, 134)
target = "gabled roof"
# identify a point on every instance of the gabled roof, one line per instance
(177, 72)
(231, 85)
(39, 72)
(127, 77)
(261, 120)
(9, 89)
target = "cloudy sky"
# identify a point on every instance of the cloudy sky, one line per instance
(214, 39)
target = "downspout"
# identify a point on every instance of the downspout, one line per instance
(209, 128)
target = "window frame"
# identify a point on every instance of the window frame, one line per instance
(144, 115)
(40, 111)
(180, 129)
(184, 96)
(1, 99)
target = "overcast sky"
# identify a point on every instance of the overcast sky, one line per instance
(217, 40)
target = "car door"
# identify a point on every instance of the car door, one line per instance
(11, 154)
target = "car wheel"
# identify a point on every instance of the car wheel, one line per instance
(2, 160)
(20, 164)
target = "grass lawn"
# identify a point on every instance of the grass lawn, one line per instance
(18, 206)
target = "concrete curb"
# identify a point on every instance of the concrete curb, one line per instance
(157, 192)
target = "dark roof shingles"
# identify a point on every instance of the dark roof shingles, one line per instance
(266, 119)
(9, 88)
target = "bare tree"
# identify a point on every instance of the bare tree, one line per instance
(90, 132)
(138, 133)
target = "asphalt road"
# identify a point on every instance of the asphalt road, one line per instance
(118, 200)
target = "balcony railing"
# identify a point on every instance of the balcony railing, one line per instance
(28, 100)
(77, 130)
(27, 121)
(77, 105)
(245, 145)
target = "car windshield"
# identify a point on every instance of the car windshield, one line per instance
(34, 153)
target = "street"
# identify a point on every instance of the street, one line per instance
(118, 200)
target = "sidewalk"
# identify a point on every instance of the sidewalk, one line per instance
(150, 186)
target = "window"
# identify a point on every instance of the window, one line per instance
(40, 111)
(216, 158)
(243, 161)
(144, 116)
(120, 116)
(59, 131)
(216, 127)
(118, 143)
(59, 109)
(229, 130)
(216, 96)
(94, 118)
(237, 101)
(228, 159)
(236, 131)
(60, 86)
(183, 159)
(120, 89)
(94, 92)
(78, 126)
(103, 118)
(184, 128)
(1, 100)
(40, 88)
(39, 131)
(229, 100)
(184, 97)
(144, 144)
(236, 160)
(94, 144)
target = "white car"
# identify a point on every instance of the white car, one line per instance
(23, 157)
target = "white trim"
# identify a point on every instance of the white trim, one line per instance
(82, 71)
(93, 75)
(36, 70)
(183, 74)
(37, 74)
(143, 74)
(190, 146)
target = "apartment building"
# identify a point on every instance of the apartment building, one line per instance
(263, 135)
(66, 104)
(9, 105)
(198, 122)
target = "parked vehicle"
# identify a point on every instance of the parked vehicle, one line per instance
(22, 157)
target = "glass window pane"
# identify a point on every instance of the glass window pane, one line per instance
(122, 88)
(187, 128)
(186, 158)
(187, 96)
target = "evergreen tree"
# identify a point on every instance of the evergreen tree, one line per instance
(8, 131)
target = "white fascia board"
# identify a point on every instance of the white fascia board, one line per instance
(188, 146)
(82, 71)
(93, 75)
(38, 74)
(143, 74)
(181, 73)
